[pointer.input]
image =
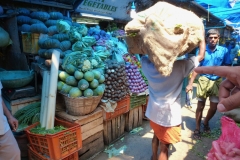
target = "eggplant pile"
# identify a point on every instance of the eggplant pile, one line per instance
(135, 79)
(116, 81)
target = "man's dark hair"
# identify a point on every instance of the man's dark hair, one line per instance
(213, 31)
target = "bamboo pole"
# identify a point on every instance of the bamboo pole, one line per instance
(51, 107)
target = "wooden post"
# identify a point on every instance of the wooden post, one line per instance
(16, 60)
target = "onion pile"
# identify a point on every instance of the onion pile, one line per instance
(135, 80)
(116, 81)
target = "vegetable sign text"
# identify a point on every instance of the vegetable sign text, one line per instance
(99, 4)
(110, 8)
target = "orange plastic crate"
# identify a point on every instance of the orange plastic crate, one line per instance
(57, 146)
(123, 106)
(33, 155)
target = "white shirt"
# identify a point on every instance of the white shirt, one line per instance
(4, 126)
(164, 104)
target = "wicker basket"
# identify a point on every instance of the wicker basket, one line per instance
(81, 106)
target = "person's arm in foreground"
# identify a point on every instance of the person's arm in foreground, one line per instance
(200, 57)
(13, 122)
(202, 48)
(229, 90)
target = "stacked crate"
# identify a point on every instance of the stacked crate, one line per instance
(135, 115)
(69, 142)
(91, 131)
(114, 122)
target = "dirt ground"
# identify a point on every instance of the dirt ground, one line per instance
(138, 146)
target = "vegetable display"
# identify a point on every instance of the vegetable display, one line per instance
(116, 82)
(77, 83)
(28, 115)
(40, 15)
(92, 59)
(135, 80)
(23, 11)
(131, 58)
(44, 131)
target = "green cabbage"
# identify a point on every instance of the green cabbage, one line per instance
(74, 35)
(88, 51)
(86, 65)
(78, 46)
(94, 63)
(83, 29)
(63, 26)
(89, 41)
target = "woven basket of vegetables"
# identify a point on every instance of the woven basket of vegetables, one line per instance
(81, 106)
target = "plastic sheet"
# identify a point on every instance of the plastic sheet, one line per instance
(228, 144)
(111, 151)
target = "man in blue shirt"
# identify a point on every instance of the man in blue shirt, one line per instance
(208, 84)
(232, 50)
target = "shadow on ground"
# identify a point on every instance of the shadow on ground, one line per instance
(138, 146)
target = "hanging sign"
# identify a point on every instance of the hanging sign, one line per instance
(117, 9)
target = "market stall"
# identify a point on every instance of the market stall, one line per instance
(82, 89)
(96, 82)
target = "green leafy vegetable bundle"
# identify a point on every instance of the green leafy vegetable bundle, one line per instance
(29, 114)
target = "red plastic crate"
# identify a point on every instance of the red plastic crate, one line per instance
(57, 146)
(123, 106)
(33, 155)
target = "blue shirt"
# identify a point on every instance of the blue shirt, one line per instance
(219, 57)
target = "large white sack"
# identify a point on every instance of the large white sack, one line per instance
(164, 33)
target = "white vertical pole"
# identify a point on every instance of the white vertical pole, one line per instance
(51, 107)
(44, 98)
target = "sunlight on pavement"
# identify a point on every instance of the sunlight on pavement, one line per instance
(148, 134)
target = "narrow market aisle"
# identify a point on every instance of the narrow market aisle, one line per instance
(138, 146)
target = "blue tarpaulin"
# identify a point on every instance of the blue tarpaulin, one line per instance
(227, 10)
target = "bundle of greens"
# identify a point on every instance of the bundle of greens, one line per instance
(84, 60)
(43, 130)
(28, 115)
